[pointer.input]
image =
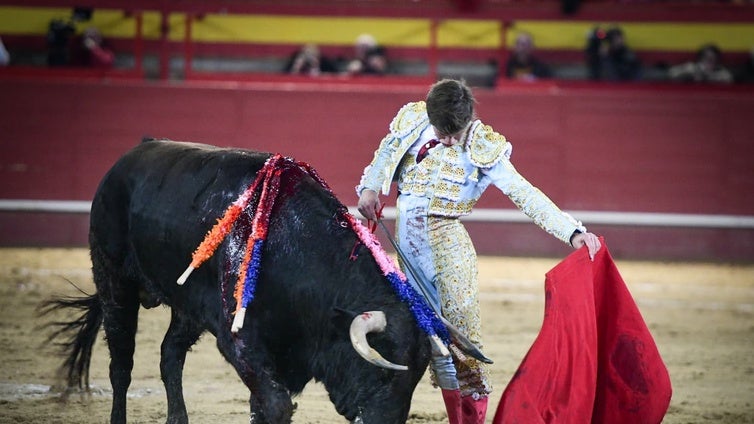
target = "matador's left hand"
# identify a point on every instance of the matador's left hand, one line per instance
(591, 241)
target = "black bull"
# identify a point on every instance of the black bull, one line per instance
(149, 213)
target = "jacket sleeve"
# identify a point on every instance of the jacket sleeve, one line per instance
(532, 202)
(375, 176)
(405, 128)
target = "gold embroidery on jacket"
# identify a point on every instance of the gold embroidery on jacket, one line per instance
(451, 208)
(486, 147)
(409, 118)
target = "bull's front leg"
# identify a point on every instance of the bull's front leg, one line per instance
(272, 407)
(270, 401)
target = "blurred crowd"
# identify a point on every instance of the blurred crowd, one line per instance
(68, 47)
(607, 56)
(369, 58)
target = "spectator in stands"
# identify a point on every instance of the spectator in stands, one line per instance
(92, 52)
(609, 57)
(61, 47)
(747, 71)
(522, 64)
(706, 67)
(4, 55)
(309, 61)
(59, 35)
(370, 58)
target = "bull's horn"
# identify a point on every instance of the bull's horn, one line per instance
(366, 323)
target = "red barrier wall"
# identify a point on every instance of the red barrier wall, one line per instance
(590, 147)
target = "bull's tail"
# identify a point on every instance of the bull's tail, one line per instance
(75, 338)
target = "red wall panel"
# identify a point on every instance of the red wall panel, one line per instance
(589, 147)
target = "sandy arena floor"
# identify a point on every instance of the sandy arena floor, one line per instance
(701, 315)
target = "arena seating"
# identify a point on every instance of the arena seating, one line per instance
(233, 39)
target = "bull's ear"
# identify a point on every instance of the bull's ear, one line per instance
(342, 318)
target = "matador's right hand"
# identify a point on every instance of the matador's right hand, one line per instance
(369, 204)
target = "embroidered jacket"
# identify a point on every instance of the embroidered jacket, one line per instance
(453, 178)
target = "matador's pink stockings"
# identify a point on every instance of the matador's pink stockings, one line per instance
(464, 410)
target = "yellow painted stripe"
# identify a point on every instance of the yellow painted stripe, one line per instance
(342, 31)
(116, 24)
(268, 29)
(112, 23)
(640, 35)
(26, 21)
(391, 32)
(483, 34)
(656, 36)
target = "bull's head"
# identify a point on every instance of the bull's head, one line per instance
(367, 323)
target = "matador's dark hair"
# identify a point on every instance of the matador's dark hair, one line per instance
(450, 106)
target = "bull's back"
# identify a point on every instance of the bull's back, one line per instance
(159, 199)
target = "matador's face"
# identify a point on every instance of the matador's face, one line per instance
(450, 139)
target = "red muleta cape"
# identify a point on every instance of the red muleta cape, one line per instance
(594, 360)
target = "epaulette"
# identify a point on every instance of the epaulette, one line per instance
(409, 118)
(487, 147)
